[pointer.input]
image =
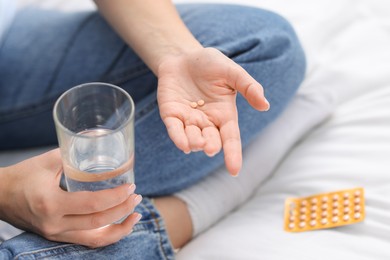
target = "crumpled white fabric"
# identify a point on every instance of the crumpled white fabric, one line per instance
(346, 43)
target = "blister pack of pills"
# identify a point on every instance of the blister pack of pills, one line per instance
(325, 210)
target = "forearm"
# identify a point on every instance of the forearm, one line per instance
(152, 28)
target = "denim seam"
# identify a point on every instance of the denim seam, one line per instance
(157, 220)
(47, 103)
(126, 75)
(145, 110)
(43, 106)
(73, 247)
(114, 62)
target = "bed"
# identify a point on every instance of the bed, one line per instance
(334, 135)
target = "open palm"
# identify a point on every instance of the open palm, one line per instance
(207, 75)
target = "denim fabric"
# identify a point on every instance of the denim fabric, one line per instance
(7, 10)
(48, 52)
(147, 241)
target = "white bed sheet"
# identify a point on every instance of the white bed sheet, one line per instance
(347, 46)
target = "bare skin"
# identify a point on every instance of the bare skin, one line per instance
(177, 219)
(31, 199)
(29, 194)
(158, 35)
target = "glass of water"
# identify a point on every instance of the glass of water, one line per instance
(95, 130)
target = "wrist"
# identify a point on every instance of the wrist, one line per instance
(174, 53)
(170, 47)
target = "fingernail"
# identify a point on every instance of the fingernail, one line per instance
(211, 154)
(131, 189)
(138, 217)
(137, 199)
(268, 104)
(235, 174)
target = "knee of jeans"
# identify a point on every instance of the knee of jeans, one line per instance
(277, 46)
(245, 34)
(275, 37)
(287, 39)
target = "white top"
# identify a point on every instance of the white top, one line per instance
(7, 11)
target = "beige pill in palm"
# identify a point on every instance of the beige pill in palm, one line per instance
(200, 102)
(193, 104)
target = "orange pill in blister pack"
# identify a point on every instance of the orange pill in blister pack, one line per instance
(325, 210)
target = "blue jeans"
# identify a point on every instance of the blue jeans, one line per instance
(47, 52)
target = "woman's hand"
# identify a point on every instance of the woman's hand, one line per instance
(187, 73)
(206, 74)
(31, 199)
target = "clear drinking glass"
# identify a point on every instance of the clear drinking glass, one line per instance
(95, 130)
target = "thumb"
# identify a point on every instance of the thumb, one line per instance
(249, 88)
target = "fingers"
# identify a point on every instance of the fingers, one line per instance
(249, 88)
(213, 140)
(195, 138)
(87, 202)
(99, 237)
(88, 212)
(101, 219)
(177, 134)
(230, 135)
(192, 138)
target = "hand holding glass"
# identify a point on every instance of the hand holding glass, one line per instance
(95, 130)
